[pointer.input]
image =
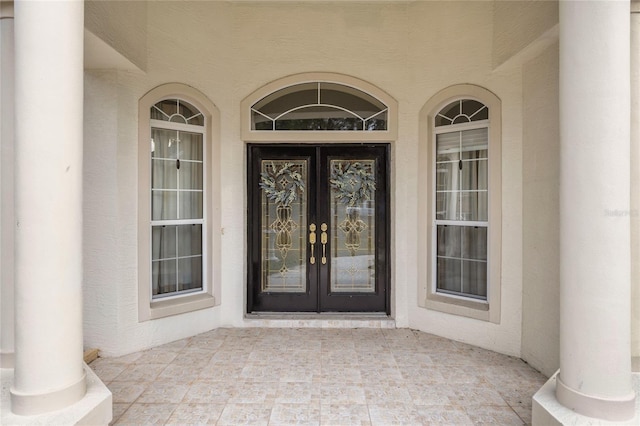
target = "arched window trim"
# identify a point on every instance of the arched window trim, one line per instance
(148, 308)
(250, 135)
(488, 310)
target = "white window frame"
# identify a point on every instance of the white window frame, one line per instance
(201, 130)
(428, 297)
(148, 307)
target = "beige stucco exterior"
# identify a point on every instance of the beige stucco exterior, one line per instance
(354, 47)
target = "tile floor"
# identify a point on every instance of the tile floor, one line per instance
(266, 376)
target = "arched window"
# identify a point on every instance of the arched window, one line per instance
(176, 213)
(319, 106)
(177, 199)
(305, 107)
(460, 202)
(461, 197)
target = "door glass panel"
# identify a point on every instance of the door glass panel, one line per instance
(352, 231)
(283, 225)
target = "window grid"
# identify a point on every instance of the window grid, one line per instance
(181, 271)
(316, 112)
(459, 271)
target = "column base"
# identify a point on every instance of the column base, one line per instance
(93, 409)
(548, 411)
(33, 404)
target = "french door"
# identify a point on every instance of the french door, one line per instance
(318, 228)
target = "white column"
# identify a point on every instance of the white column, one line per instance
(6, 184)
(635, 183)
(595, 361)
(49, 371)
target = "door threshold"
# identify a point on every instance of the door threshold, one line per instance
(319, 320)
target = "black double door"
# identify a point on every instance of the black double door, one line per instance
(318, 228)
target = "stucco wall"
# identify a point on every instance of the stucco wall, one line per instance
(434, 65)
(227, 50)
(100, 261)
(541, 205)
(110, 226)
(517, 24)
(122, 25)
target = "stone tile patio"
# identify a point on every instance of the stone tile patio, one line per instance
(310, 376)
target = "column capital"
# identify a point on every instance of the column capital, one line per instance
(6, 9)
(635, 6)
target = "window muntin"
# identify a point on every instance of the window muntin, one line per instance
(177, 111)
(319, 106)
(461, 199)
(461, 111)
(177, 199)
(462, 175)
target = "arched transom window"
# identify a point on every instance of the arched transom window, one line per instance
(462, 111)
(319, 106)
(177, 111)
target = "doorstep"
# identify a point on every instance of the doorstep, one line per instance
(315, 320)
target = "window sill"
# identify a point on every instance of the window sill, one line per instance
(476, 309)
(179, 305)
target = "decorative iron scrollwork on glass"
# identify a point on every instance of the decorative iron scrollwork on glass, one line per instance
(282, 183)
(353, 189)
(353, 183)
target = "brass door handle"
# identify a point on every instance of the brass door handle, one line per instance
(312, 242)
(323, 240)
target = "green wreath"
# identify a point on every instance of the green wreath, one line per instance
(282, 186)
(353, 182)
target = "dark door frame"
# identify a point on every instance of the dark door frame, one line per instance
(321, 153)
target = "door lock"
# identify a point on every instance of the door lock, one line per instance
(323, 240)
(312, 241)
